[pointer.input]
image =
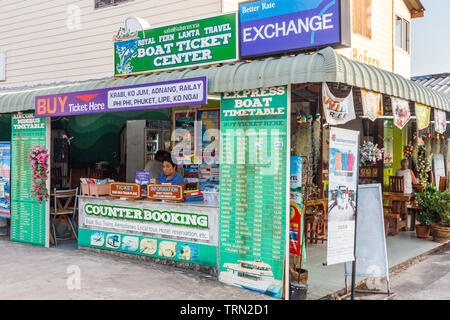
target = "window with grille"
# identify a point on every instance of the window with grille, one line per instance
(362, 17)
(402, 33)
(108, 3)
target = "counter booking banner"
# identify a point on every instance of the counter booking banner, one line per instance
(342, 190)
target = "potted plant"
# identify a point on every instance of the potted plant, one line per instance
(426, 218)
(431, 201)
(441, 231)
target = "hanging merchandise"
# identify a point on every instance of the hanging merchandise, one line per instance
(316, 144)
(337, 110)
(303, 137)
(440, 121)
(372, 103)
(422, 116)
(400, 109)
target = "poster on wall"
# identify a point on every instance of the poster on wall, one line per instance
(388, 156)
(400, 109)
(29, 218)
(422, 115)
(296, 234)
(440, 121)
(5, 179)
(342, 192)
(371, 253)
(372, 103)
(438, 168)
(337, 110)
(187, 234)
(254, 189)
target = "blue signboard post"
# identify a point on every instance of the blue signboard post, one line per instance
(280, 26)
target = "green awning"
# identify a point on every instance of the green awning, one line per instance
(324, 65)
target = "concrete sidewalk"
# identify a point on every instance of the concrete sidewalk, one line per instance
(324, 280)
(32, 272)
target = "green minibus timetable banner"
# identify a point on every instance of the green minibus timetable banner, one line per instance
(254, 189)
(194, 43)
(29, 218)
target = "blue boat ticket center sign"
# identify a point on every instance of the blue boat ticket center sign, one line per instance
(278, 26)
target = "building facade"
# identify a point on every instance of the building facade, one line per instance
(66, 41)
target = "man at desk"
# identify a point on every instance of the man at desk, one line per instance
(170, 175)
(155, 166)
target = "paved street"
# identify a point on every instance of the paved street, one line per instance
(31, 272)
(428, 279)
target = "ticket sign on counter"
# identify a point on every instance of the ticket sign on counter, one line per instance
(254, 189)
(165, 192)
(176, 93)
(125, 190)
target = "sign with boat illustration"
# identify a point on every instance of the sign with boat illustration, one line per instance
(187, 44)
(254, 189)
(342, 192)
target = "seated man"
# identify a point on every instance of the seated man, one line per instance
(408, 176)
(155, 166)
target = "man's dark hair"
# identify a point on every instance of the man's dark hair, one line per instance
(162, 155)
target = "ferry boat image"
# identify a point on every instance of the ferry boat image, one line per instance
(256, 276)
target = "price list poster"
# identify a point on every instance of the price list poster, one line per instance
(254, 189)
(29, 219)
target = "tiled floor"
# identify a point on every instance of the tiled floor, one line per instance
(323, 280)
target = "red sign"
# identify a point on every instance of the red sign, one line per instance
(165, 192)
(295, 232)
(125, 190)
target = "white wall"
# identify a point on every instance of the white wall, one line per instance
(402, 58)
(44, 44)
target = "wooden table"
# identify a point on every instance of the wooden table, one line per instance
(403, 198)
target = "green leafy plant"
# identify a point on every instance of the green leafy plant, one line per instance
(423, 165)
(444, 214)
(431, 201)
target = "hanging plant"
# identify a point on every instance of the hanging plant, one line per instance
(369, 153)
(39, 167)
(415, 150)
(423, 165)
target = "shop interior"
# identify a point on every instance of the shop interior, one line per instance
(105, 147)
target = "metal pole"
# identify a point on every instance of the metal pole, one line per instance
(354, 246)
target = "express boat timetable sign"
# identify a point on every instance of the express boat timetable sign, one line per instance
(254, 188)
(276, 26)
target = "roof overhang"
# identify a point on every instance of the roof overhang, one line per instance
(322, 66)
(416, 8)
